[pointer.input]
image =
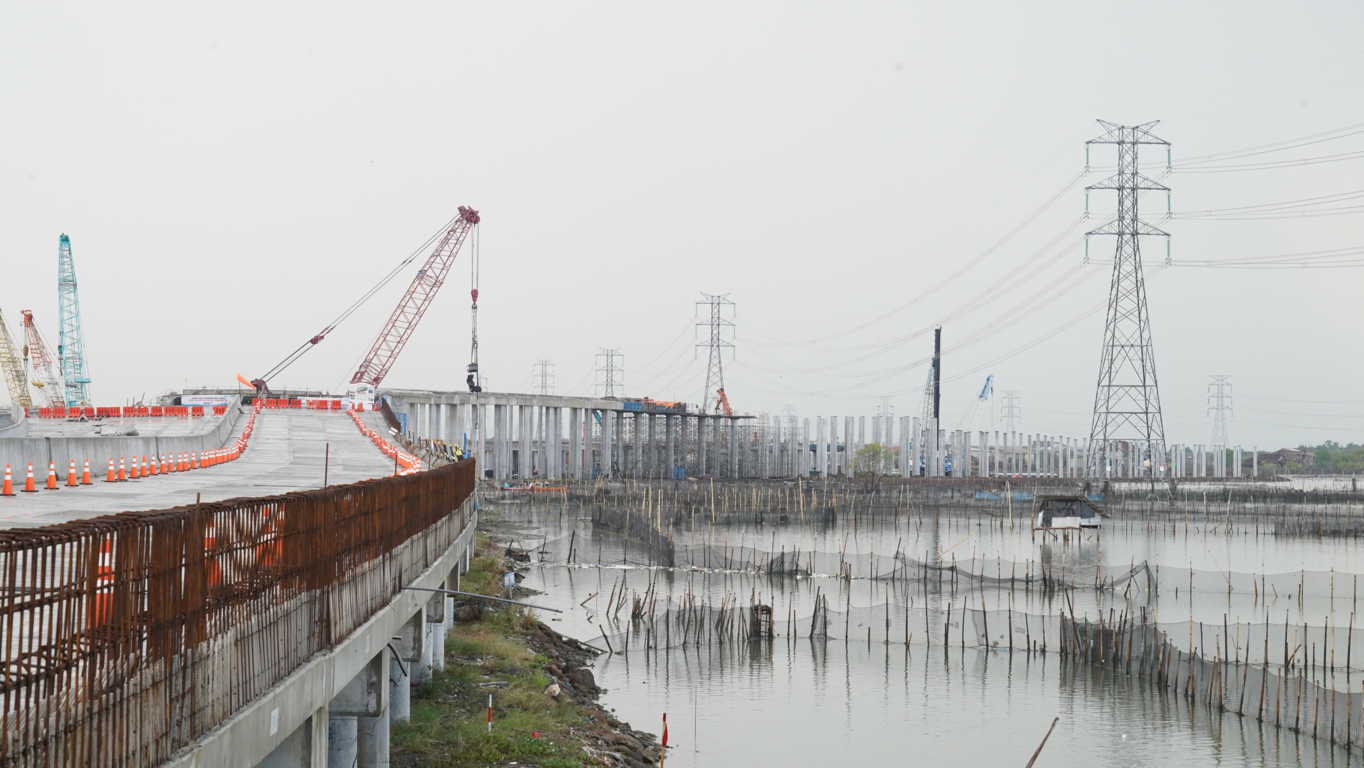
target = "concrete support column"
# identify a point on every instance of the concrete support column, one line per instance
(524, 430)
(499, 439)
(670, 444)
(408, 644)
(358, 718)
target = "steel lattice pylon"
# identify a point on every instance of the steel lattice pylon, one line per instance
(1127, 428)
(718, 327)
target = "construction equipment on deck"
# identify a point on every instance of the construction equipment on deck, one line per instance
(428, 280)
(16, 380)
(45, 372)
(70, 340)
(405, 317)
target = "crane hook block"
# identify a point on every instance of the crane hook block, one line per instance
(474, 295)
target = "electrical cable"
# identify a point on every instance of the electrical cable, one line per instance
(963, 269)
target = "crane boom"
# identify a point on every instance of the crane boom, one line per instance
(45, 372)
(427, 282)
(13, 366)
(70, 340)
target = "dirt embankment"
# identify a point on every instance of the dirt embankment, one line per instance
(544, 696)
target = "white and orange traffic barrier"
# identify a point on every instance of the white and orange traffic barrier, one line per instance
(29, 485)
(85, 474)
(7, 489)
(71, 480)
(51, 483)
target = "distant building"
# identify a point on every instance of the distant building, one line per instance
(1288, 457)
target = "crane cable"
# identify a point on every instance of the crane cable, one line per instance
(303, 348)
(475, 379)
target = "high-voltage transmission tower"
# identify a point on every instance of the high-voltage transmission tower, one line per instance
(1127, 397)
(1219, 407)
(542, 377)
(1012, 410)
(70, 340)
(716, 336)
(13, 366)
(610, 372)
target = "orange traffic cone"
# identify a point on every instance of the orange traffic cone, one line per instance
(122, 470)
(165, 465)
(71, 480)
(8, 488)
(85, 473)
(134, 472)
(111, 477)
(146, 471)
(194, 460)
(29, 486)
(156, 466)
(51, 476)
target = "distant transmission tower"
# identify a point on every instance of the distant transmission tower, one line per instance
(885, 414)
(1219, 407)
(542, 377)
(1127, 398)
(610, 372)
(717, 312)
(1012, 410)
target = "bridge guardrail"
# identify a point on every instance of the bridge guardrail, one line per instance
(127, 637)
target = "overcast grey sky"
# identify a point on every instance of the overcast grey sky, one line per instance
(232, 178)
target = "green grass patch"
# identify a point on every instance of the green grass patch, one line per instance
(448, 725)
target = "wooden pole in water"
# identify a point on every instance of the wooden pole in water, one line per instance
(1038, 751)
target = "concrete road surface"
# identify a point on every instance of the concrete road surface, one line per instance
(285, 454)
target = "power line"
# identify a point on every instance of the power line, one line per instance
(1276, 146)
(966, 267)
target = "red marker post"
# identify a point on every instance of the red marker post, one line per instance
(490, 713)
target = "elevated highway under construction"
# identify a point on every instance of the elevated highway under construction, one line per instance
(271, 607)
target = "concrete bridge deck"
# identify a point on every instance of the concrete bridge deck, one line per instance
(286, 453)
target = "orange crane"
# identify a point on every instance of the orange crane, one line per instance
(395, 333)
(45, 371)
(722, 404)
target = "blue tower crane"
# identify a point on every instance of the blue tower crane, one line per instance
(70, 341)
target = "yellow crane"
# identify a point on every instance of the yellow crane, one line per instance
(13, 367)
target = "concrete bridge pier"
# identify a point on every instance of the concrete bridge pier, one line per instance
(357, 718)
(407, 647)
